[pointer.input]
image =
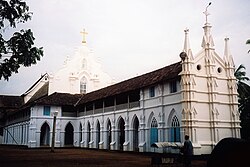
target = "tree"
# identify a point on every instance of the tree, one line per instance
(248, 42)
(19, 50)
(244, 100)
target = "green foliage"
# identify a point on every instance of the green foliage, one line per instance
(248, 42)
(240, 74)
(19, 49)
(244, 100)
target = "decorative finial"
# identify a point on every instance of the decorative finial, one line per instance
(186, 41)
(206, 12)
(226, 51)
(84, 33)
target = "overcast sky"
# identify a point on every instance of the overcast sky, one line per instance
(129, 37)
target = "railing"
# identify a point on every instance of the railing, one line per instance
(80, 114)
(99, 110)
(108, 109)
(121, 106)
(134, 104)
(90, 112)
(69, 114)
(111, 108)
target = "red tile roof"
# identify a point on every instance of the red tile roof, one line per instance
(7, 101)
(145, 80)
(59, 99)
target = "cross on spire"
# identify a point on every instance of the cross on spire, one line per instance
(84, 34)
(206, 12)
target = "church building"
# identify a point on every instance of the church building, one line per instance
(196, 96)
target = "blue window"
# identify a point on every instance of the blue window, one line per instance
(175, 130)
(152, 91)
(46, 110)
(154, 131)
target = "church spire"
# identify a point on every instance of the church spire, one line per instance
(227, 55)
(207, 41)
(186, 41)
(84, 34)
(186, 48)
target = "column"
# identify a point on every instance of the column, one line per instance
(113, 132)
(142, 131)
(126, 144)
(101, 145)
(4, 136)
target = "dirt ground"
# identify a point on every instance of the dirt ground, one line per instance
(75, 157)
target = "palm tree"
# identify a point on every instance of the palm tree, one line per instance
(248, 42)
(244, 100)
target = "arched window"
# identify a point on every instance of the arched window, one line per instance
(83, 85)
(45, 135)
(121, 133)
(69, 135)
(175, 130)
(98, 134)
(154, 131)
(136, 134)
(80, 134)
(88, 134)
(109, 134)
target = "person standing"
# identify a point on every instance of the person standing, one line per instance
(187, 151)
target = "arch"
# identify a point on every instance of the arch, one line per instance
(174, 124)
(150, 119)
(88, 133)
(170, 117)
(109, 134)
(69, 135)
(175, 130)
(135, 125)
(153, 131)
(98, 133)
(45, 121)
(45, 134)
(121, 133)
(80, 134)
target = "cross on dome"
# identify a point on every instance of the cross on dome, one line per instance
(84, 34)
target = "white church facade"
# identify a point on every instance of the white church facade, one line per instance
(195, 96)
(81, 74)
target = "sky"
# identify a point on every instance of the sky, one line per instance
(129, 37)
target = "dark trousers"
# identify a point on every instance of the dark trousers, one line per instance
(187, 160)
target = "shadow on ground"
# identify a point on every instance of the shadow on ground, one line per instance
(13, 156)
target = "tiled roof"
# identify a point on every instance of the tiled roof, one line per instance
(148, 79)
(7, 101)
(59, 99)
(9, 104)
